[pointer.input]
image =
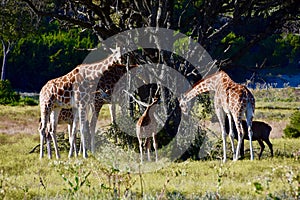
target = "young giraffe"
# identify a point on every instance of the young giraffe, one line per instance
(145, 128)
(106, 83)
(73, 90)
(231, 99)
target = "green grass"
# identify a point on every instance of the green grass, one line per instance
(19, 112)
(270, 94)
(23, 175)
(275, 110)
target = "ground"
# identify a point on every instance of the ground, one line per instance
(22, 176)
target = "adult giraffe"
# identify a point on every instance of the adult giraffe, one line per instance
(231, 99)
(74, 90)
(106, 84)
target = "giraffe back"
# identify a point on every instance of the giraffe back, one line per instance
(106, 83)
(233, 97)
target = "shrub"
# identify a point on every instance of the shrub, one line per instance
(292, 130)
(28, 101)
(7, 94)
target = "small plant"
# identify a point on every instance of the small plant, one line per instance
(292, 130)
(258, 187)
(74, 176)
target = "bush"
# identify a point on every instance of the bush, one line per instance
(28, 101)
(292, 130)
(7, 94)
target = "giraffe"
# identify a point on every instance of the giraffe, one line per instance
(74, 90)
(105, 85)
(231, 99)
(66, 114)
(144, 125)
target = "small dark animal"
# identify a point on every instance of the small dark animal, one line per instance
(261, 132)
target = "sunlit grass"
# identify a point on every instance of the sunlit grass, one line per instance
(19, 112)
(24, 175)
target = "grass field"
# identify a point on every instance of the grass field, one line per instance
(24, 176)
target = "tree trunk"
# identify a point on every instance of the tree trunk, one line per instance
(6, 50)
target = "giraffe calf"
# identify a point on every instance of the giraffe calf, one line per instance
(261, 133)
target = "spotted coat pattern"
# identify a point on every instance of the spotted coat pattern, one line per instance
(231, 99)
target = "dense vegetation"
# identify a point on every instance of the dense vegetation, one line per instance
(49, 54)
(54, 39)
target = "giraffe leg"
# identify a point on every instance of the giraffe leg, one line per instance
(95, 114)
(112, 110)
(73, 134)
(249, 117)
(82, 121)
(250, 133)
(54, 120)
(48, 143)
(231, 134)
(48, 140)
(70, 131)
(221, 117)
(42, 130)
(42, 139)
(240, 132)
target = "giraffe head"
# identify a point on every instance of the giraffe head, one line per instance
(116, 54)
(184, 105)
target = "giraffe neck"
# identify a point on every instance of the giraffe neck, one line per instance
(96, 70)
(208, 84)
(106, 63)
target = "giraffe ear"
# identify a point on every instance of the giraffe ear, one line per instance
(117, 49)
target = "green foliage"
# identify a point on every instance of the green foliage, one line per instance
(48, 54)
(9, 97)
(75, 178)
(27, 101)
(288, 45)
(293, 129)
(278, 50)
(7, 94)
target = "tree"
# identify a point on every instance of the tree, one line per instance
(16, 21)
(207, 21)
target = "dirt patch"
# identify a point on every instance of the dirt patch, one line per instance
(9, 126)
(277, 128)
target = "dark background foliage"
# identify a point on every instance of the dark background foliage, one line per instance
(46, 39)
